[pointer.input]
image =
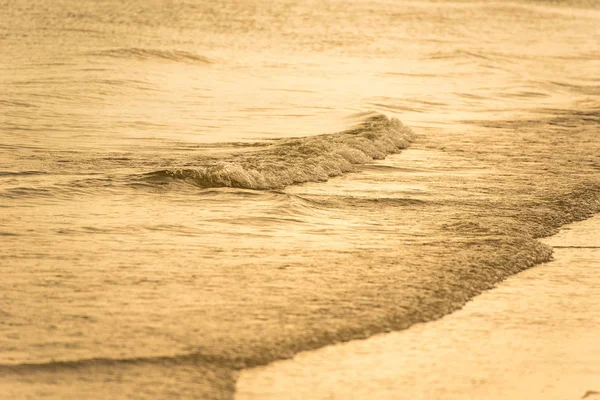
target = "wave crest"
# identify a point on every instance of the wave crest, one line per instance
(307, 159)
(149, 54)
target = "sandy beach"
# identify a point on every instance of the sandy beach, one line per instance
(535, 336)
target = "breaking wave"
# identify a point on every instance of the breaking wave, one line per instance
(293, 161)
(149, 54)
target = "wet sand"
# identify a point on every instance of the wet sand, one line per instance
(535, 336)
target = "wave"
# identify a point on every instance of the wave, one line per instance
(300, 160)
(55, 365)
(21, 173)
(188, 375)
(150, 54)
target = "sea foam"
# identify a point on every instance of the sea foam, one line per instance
(306, 159)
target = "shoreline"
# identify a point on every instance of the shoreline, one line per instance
(533, 336)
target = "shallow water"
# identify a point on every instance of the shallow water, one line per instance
(534, 336)
(134, 137)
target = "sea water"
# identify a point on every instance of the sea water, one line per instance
(189, 187)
